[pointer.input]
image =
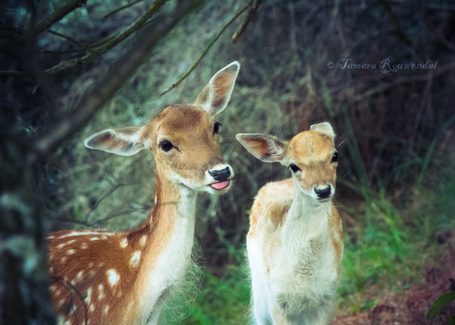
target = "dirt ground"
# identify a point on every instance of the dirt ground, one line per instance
(410, 308)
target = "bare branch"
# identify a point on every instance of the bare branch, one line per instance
(195, 64)
(137, 25)
(56, 16)
(248, 19)
(121, 8)
(105, 90)
(69, 38)
(16, 74)
(403, 80)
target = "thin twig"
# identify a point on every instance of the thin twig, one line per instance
(248, 19)
(15, 74)
(112, 190)
(121, 8)
(56, 16)
(404, 80)
(137, 25)
(73, 288)
(78, 50)
(69, 38)
(195, 64)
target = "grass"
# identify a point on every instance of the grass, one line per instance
(215, 300)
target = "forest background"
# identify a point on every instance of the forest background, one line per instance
(381, 71)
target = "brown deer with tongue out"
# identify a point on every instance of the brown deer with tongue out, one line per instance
(100, 277)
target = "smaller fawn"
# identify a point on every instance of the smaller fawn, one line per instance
(294, 242)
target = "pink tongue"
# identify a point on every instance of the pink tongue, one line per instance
(220, 185)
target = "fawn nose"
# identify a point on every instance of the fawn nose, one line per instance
(323, 192)
(220, 175)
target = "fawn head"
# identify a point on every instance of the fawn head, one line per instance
(310, 155)
(183, 138)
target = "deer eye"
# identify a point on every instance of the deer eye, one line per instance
(294, 168)
(166, 145)
(216, 127)
(335, 157)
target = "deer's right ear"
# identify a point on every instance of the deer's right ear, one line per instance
(216, 94)
(263, 146)
(124, 141)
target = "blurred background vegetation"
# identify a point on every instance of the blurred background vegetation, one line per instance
(396, 181)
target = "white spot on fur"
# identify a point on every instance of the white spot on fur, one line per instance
(112, 277)
(61, 246)
(101, 293)
(71, 241)
(124, 243)
(61, 302)
(134, 261)
(143, 240)
(106, 309)
(50, 237)
(81, 233)
(79, 275)
(84, 246)
(71, 251)
(104, 237)
(119, 294)
(91, 308)
(89, 294)
(51, 269)
(63, 260)
(94, 238)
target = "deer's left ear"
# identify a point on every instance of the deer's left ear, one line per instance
(324, 128)
(265, 147)
(216, 94)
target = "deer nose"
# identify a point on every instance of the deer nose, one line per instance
(323, 192)
(220, 175)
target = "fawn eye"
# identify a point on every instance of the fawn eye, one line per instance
(166, 145)
(294, 168)
(335, 157)
(216, 127)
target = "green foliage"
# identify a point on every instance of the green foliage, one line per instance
(216, 299)
(439, 304)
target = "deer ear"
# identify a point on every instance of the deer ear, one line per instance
(324, 128)
(216, 94)
(124, 141)
(263, 146)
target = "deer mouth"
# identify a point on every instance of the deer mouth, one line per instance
(220, 185)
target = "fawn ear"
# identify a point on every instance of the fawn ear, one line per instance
(263, 146)
(124, 141)
(324, 128)
(216, 94)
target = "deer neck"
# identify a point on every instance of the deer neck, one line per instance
(167, 253)
(306, 218)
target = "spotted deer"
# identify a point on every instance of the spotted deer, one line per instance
(100, 277)
(294, 243)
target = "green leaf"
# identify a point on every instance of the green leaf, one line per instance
(439, 304)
